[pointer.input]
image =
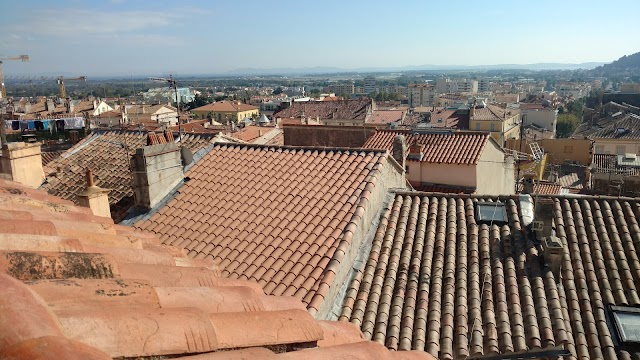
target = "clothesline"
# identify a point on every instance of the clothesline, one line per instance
(62, 124)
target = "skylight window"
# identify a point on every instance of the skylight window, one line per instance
(627, 323)
(491, 213)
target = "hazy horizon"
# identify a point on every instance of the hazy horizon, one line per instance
(131, 37)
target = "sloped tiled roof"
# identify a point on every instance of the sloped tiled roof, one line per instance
(440, 147)
(492, 113)
(546, 188)
(105, 153)
(341, 109)
(438, 280)
(49, 156)
(627, 128)
(386, 116)
(76, 286)
(283, 216)
(250, 133)
(226, 106)
(571, 180)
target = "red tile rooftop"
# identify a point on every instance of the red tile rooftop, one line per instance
(438, 279)
(107, 154)
(281, 216)
(459, 147)
(77, 286)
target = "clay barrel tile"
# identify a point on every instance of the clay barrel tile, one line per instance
(267, 328)
(51, 265)
(137, 332)
(67, 294)
(52, 347)
(23, 314)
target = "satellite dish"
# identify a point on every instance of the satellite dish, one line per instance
(187, 156)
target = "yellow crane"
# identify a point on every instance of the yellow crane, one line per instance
(23, 58)
(61, 79)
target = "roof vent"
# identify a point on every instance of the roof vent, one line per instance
(621, 130)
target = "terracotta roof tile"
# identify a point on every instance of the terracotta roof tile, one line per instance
(439, 280)
(85, 300)
(341, 109)
(459, 147)
(105, 154)
(278, 214)
(386, 116)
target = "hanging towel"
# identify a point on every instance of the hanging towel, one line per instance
(24, 125)
(60, 125)
(31, 124)
(15, 125)
(39, 125)
(45, 124)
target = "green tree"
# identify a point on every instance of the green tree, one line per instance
(277, 91)
(567, 124)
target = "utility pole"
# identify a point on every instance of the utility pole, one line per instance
(173, 83)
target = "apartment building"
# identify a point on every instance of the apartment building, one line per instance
(444, 85)
(340, 89)
(421, 95)
(369, 85)
(572, 90)
(503, 124)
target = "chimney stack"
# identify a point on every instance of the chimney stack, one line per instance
(95, 198)
(400, 150)
(528, 184)
(157, 169)
(415, 152)
(545, 232)
(23, 162)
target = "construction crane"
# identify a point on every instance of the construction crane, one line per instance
(3, 90)
(61, 79)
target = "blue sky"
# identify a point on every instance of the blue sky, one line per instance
(129, 37)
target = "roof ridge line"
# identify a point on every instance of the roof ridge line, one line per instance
(292, 147)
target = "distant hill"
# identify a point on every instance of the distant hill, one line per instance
(329, 70)
(626, 65)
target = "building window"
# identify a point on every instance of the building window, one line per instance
(491, 213)
(600, 149)
(621, 149)
(478, 126)
(626, 321)
(568, 149)
(493, 127)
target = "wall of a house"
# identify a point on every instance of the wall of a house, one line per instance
(494, 175)
(391, 176)
(450, 174)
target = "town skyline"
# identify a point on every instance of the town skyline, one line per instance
(130, 37)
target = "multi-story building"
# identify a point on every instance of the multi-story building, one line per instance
(502, 123)
(340, 89)
(618, 137)
(369, 85)
(484, 85)
(630, 88)
(444, 85)
(392, 89)
(421, 95)
(225, 111)
(572, 90)
(540, 116)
